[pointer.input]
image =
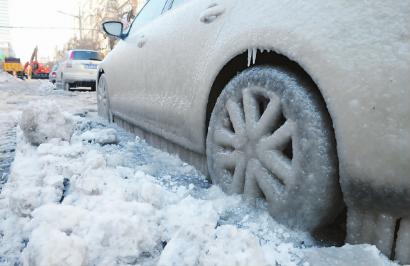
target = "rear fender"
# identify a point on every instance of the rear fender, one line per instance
(367, 108)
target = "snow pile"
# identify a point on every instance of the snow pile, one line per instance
(209, 246)
(115, 215)
(58, 249)
(6, 78)
(100, 136)
(86, 203)
(45, 121)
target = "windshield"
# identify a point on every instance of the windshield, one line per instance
(85, 55)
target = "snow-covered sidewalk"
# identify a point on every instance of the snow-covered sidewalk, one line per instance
(92, 194)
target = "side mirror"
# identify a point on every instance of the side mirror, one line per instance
(114, 28)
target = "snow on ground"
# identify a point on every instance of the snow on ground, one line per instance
(104, 197)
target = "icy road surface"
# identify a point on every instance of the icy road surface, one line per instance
(107, 198)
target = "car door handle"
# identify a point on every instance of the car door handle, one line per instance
(211, 13)
(141, 41)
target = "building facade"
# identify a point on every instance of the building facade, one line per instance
(5, 36)
(4, 21)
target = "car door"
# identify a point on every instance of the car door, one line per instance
(124, 66)
(173, 47)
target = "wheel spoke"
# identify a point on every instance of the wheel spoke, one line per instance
(236, 115)
(271, 186)
(280, 138)
(279, 165)
(270, 118)
(226, 160)
(251, 110)
(251, 187)
(224, 137)
(238, 181)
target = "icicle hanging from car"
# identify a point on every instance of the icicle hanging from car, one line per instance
(252, 56)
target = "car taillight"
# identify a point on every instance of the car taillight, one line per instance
(68, 65)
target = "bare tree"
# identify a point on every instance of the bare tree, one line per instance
(92, 16)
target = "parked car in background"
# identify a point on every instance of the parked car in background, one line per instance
(79, 69)
(54, 72)
(299, 103)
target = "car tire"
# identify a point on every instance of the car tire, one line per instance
(102, 99)
(66, 86)
(270, 137)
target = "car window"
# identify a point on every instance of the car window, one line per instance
(177, 2)
(150, 11)
(85, 55)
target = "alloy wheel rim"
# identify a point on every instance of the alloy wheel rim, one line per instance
(253, 144)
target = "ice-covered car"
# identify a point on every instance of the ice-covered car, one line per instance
(303, 103)
(79, 69)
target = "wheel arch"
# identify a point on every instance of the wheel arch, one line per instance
(263, 57)
(100, 72)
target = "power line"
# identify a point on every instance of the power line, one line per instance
(43, 28)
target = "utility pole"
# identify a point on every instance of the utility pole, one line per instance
(79, 17)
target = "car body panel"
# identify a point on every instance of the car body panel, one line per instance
(358, 53)
(154, 101)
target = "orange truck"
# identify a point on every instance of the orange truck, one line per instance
(34, 69)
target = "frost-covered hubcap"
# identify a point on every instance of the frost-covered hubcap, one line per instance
(253, 143)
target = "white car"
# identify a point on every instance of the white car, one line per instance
(303, 103)
(79, 69)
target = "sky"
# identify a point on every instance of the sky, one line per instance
(41, 13)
